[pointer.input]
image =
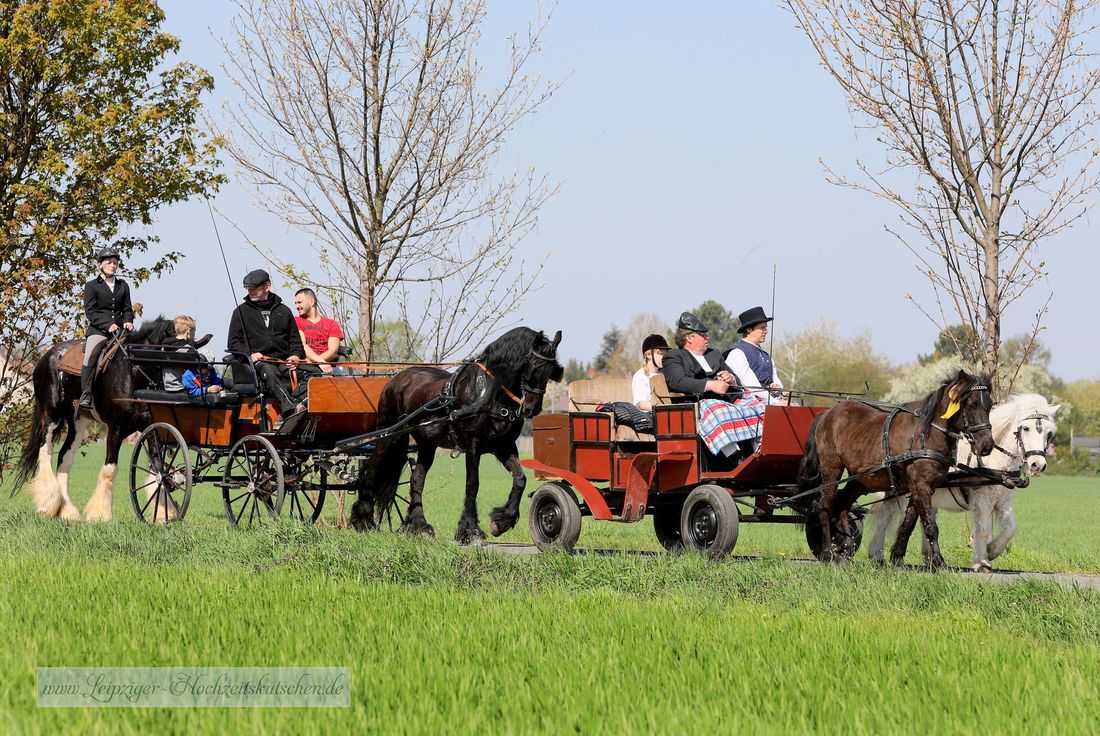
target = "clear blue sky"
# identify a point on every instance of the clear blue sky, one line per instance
(684, 137)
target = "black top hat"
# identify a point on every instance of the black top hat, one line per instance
(689, 321)
(654, 342)
(259, 277)
(751, 317)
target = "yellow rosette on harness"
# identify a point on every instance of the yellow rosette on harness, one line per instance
(954, 405)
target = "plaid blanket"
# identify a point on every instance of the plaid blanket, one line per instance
(722, 423)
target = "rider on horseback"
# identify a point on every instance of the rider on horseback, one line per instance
(107, 307)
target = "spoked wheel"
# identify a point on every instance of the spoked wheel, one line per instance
(303, 500)
(160, 475)
(709, 522)
(554, 518)
(666, 525)
(252, 484)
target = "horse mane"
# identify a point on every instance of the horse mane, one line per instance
(510, 349)
(1005, 417)
(153, 332)
(928, 408)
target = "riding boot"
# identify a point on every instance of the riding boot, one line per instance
(86, 386)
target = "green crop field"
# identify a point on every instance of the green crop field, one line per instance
(443, 639)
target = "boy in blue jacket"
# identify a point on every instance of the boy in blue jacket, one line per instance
(201, 380)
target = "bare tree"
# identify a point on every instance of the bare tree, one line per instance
(366, 125)
(989, 102)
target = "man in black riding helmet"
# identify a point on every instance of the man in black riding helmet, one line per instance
(264, 328)
(108, 309)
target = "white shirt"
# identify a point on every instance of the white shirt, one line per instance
(639, 386)
(739, 366)
(703, 362)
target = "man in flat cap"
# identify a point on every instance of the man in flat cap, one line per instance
(730, 420)
(263, 328)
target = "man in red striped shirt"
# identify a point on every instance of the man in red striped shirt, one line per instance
(321, 336)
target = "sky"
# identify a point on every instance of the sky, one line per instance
(687, 140)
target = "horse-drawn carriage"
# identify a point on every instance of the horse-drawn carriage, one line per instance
(233, 439)
(592, 466)
(621, 475)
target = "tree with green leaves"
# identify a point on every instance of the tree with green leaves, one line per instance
(99, 130)
(611, 340)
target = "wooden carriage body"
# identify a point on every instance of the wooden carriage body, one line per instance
(623, 475)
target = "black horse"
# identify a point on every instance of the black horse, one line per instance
(55, 408)
(477, 410)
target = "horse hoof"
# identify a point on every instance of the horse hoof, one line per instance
(69, 513)
(470, 537)
(983, 566)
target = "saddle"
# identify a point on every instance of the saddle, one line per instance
(72, 360)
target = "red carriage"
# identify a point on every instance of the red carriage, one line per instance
(593, 467)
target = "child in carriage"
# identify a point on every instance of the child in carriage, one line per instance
(202, 379)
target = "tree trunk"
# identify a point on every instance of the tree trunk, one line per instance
(368, 283)
(991, 323)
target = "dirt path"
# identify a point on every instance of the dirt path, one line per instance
(1067, 579)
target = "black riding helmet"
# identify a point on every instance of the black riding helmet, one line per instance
(108, 252)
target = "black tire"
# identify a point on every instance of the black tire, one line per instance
(160, 475)
(554, 518)
(666, 526)
(709, 522)
(252, 484)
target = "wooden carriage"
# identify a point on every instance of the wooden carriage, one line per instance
(697, 500)
(233, 439)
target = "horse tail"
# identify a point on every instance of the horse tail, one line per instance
(387, 474)
(28, 461)
(809, 469)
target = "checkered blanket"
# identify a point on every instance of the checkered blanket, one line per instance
(722, 423)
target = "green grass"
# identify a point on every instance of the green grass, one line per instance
(443, 639)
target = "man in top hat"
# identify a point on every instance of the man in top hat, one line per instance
(729, 420)
(750, 362)
(108, 309)
(263, 327)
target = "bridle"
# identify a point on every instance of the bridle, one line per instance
(1025, 453)
(986, 403)
(534, 359)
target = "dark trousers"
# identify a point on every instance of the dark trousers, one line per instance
(275, 379)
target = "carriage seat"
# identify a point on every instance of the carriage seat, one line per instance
(587, 394)
(245, 385)
(224, 398)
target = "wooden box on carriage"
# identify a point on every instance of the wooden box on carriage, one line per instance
(345, 405)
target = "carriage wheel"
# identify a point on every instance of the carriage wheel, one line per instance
(252, 484)
(666, 525)
(300, 504)
(813, 533)
(160, 475)
(554, 518)
(709, 522)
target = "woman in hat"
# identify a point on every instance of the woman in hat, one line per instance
(751, 363)
(108, 309)
(654, 348)
(730, 421)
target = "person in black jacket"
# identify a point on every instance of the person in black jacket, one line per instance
(730, 421)
(263, 327)
(108, 309)
(684, 370)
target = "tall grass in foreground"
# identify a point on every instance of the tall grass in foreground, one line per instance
(444, 639)
(447, 640)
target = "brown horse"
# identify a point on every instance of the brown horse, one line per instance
(896, 450)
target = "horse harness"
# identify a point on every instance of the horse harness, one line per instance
(923, 453)
(1002, 477)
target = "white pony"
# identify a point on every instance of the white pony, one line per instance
(1023, 427)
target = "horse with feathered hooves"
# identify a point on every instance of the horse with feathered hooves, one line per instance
(1023, 428)
(56, 394)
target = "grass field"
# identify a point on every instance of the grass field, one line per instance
(445, 639)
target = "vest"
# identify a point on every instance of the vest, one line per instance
(759, 361)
